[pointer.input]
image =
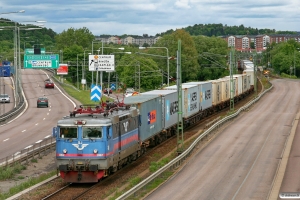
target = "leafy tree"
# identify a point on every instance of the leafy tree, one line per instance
(284, 56)
(212, 57)
(188, 54)
(134, 69)
(81, 37)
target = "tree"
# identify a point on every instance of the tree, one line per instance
(81, 37)
(133, 69)
(283, 56)
(212, 57)
(188, 54)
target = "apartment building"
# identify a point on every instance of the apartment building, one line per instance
(259, 43)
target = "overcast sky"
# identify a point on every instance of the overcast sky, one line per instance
(137, 17)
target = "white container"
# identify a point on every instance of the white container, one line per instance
(217, 91)
(239, 83)
(205, 92)
(190, 99)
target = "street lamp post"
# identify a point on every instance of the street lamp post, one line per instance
(20, 11)
(168, 67)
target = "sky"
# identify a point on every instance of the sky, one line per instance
(138, 17)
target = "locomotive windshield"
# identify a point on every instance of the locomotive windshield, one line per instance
(91, 132)
(67, 132)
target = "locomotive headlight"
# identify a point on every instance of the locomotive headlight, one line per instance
(65, 151)
(95, 151)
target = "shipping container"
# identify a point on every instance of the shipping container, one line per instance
(150, 109)
(169, 100)
(239, 83)
(190, 99)
(225, 94)
(205, 93)
(251, 74)
(245, 82)
(217, 91)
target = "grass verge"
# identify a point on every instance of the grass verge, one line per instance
(27, 184)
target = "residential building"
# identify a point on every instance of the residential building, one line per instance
(260, 42)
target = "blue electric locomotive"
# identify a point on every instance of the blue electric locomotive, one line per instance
(89, 147)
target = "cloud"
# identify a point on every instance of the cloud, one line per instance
(137, 17)
(182, 4)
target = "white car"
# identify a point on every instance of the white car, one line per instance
(4, 98)
(129, 92)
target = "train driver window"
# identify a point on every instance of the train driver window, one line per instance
(67, 132)
(92, 132)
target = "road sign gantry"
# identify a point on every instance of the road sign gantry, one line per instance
(41, 61)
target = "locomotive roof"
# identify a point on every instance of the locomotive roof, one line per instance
(95, 119)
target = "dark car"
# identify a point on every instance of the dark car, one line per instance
(106, 90)
(49, 84)
(42, 102)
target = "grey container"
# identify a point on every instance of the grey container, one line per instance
(205, 93)
(169, 100)
(150, 109)
(190, 99)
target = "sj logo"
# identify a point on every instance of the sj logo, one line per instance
(152, 117)
(80, 146)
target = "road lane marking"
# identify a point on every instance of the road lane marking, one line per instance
(38, 141)
(48, 136)
(5, 140)
(23, 131)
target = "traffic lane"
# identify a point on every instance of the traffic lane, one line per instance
(36, 123)
(291, 179)
(7, 87)
(240, 163)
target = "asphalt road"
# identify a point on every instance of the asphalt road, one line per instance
(241, 162)
(35, 123)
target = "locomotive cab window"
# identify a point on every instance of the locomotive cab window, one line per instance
(67, 132)
(92, 132)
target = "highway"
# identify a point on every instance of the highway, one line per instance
(241, 162)
(35, 123)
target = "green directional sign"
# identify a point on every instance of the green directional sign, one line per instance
(41, 61)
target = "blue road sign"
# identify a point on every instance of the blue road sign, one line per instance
(95, 92)
(113, 86)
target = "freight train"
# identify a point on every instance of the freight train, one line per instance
(94, 142)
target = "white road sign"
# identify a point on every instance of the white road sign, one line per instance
(101, 62)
